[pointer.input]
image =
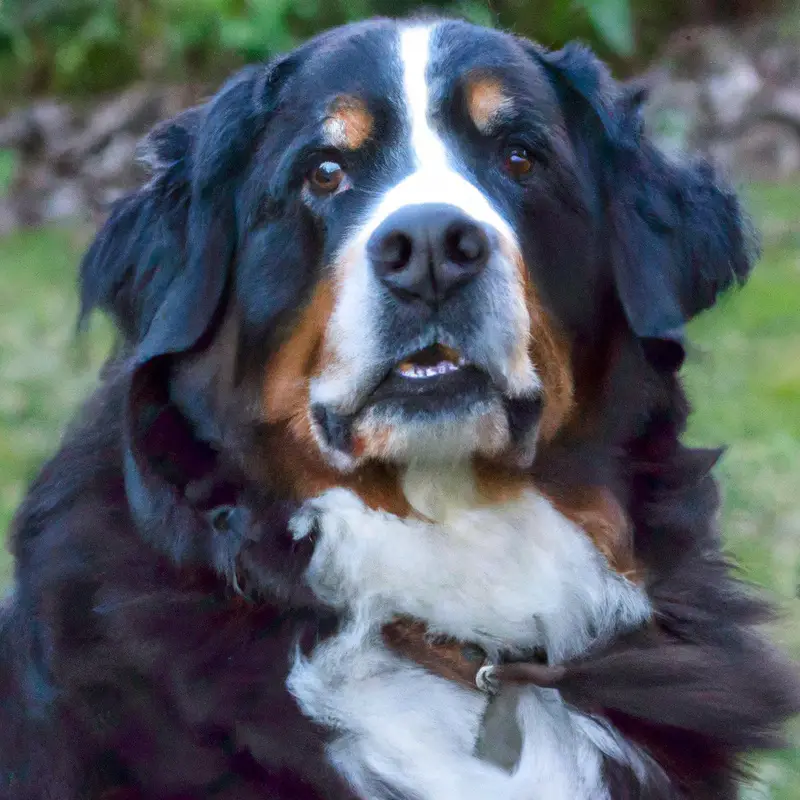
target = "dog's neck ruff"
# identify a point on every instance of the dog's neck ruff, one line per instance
(515, 581)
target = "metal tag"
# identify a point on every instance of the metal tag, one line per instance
(500, 738)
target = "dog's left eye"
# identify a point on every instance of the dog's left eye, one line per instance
(518, 161)
(326, 177)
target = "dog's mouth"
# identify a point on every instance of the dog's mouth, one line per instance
(429, 363)
(437, 397)
(433, 379)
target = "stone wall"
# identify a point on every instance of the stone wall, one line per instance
(733, 97)
(72, 162)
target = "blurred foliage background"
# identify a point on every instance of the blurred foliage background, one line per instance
(79, 46)
(743, 373)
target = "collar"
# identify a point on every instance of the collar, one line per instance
(465, 663)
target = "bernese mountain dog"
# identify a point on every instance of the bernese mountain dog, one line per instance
(383, 494)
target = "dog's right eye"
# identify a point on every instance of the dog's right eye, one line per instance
(327, 177)
(518, 161)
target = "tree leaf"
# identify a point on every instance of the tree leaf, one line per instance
(476, 12)
(613, 21)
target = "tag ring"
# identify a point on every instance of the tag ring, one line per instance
(485, 679)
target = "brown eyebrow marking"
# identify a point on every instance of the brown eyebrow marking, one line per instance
(486, 101)
(349, 123)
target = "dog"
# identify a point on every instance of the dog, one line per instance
(383, 493)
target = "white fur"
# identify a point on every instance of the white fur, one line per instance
(508, 577)
(437, 437)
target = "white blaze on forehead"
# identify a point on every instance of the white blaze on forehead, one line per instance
(428, 148)
(434, 178)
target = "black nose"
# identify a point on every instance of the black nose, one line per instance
(426, 252)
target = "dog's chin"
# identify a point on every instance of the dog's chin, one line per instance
(443, 418)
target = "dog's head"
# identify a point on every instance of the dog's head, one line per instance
(409, 231)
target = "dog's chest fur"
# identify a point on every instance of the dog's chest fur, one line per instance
(511, 578)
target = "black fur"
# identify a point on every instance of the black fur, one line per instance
(158, 592)
(674, 217)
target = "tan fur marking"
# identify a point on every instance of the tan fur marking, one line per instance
(486, 100)
(496, 484)
(349, 123)
(596, 510)
(296, 462)
(551, 357)
(373, 442)
(298, 467)
(444, 656)
(550, 354)
(288, 371)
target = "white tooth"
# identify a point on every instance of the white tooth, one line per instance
(419, 372)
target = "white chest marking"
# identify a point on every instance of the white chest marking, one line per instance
(508, 577)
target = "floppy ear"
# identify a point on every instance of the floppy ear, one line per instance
(161, 263)
(677, 236)
(161, 266)
(140, 251)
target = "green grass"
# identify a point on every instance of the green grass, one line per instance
(744, 380)
(743, 375)
(45, 369)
